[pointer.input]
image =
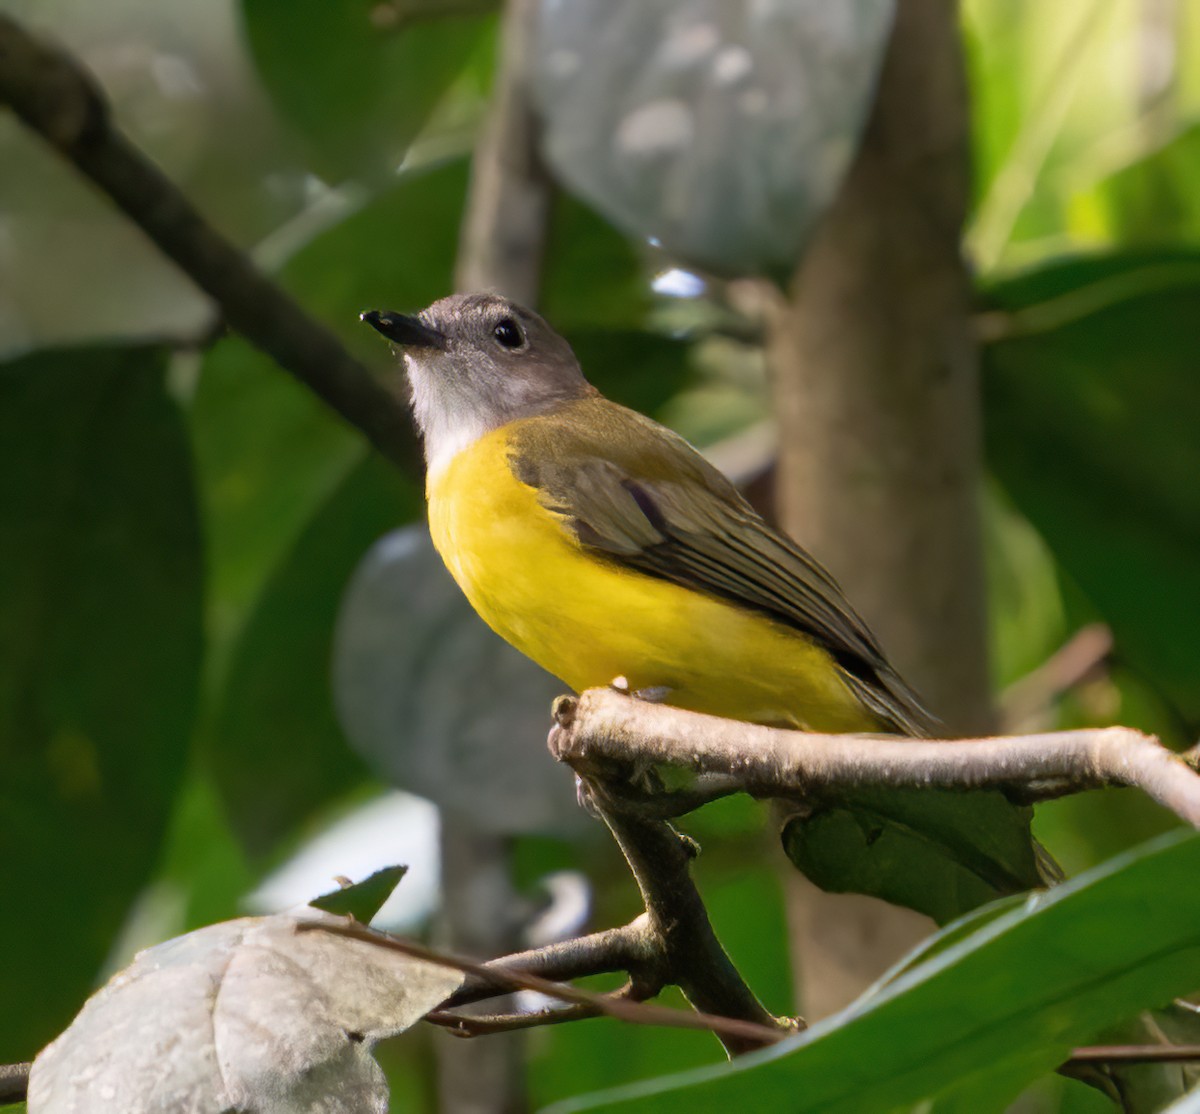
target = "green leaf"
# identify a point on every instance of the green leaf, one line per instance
(276, 751)
(357, 90)
(1153, 200)
(593, 276)
(362, 900)
(637, 368)
(1010, 1000)
(1090, 404)
(100, 648)
(268, 451)
(940, 853)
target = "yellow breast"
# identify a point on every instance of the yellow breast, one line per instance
(587, 619)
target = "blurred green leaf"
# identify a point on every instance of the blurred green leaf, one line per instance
(940, 853)
(268, 451)
(593, 276)
(1009, 1001)
(276, 751)
(201, 858)
(100, 649)
(362, 900)
(354, 80)
(1026, 617)
(636, 368)
(1090, 403)
(1153, 201)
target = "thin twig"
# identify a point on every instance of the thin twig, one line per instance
(1135, 1054)
(14, 1082)
(1028, 699)
(638, 1013)
(604, 727)
(482, 1025)
(57, 98)
(631, 948)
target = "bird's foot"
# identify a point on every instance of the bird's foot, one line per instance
(652, 694)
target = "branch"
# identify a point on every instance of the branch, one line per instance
(729, 1029)
(507, 219)
(14, 1082)
(473, 1025)
(55, 97)
(604, 727)
(630, 948)
(692, 957)
(1135, 1054)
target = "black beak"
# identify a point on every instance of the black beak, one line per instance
(408, 332)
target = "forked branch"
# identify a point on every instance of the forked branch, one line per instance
(604, 728)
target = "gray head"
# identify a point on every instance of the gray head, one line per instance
(477, 362)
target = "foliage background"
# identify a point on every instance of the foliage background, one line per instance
(180, 521)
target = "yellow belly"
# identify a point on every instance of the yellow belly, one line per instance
(588, 620)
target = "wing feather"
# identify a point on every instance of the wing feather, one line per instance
(643, 497)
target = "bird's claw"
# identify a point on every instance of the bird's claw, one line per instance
(652, 694)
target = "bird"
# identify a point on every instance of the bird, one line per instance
(603, 545)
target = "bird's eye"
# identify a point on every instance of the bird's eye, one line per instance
(508, 333)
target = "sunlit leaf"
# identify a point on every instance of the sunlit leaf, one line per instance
(1009, 1001)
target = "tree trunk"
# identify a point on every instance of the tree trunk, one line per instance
(876, 380)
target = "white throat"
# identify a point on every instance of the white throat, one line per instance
(447, 431)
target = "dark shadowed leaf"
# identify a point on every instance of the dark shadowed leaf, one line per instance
(634, 367)
(942, 854)
(1006, 1004)
(719, 127)
(357, 86)
(1091, 399)
(276, 751)
(269, 453)
(100, 644)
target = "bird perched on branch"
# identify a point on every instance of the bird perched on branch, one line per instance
(601, 544)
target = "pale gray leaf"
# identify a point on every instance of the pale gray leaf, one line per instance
(440, 705)
(248, 1015)
(720, 128)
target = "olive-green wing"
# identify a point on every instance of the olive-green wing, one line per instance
(642, 496)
